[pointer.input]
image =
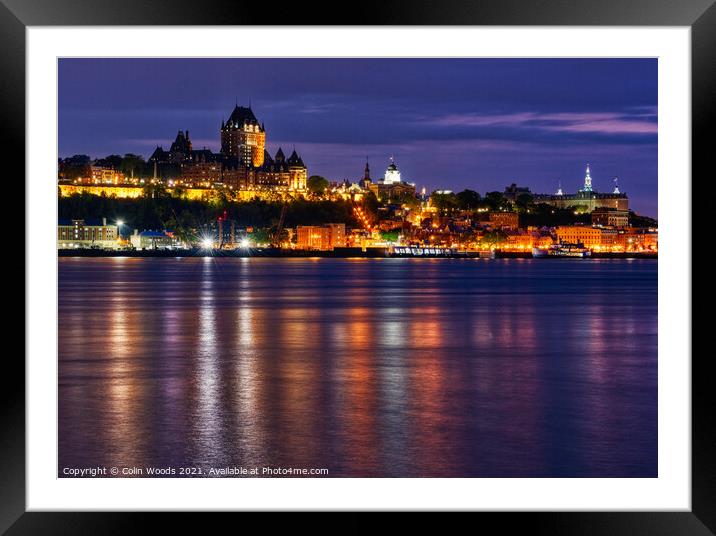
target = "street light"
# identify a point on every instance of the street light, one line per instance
(119, 229)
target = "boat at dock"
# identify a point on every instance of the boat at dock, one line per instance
(430, 251)
(562, 250)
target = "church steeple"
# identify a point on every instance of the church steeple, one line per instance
(366, 174)
(587, 181)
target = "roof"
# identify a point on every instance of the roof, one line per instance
(153, 234)
(205, 155)
(242, 115)
(85, 222)
(159, 154)
(181, 143)
(295, 160)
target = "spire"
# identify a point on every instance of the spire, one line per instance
(366, 175)
(616, 186)
(587, 181)
(559, 188)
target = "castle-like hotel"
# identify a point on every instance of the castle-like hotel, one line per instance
(243, 162)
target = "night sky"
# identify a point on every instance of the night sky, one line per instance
(450, 123)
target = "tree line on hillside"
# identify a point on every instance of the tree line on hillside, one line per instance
(132, 165)
(177, 213)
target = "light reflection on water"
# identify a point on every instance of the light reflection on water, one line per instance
(386, 367)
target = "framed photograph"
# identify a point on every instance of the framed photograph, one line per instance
(439, 260)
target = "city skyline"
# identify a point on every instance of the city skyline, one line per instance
(450, 123)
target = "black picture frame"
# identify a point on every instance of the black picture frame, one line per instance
(699, 15)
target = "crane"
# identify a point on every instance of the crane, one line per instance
(276, 239)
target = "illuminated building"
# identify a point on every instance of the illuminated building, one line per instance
(243, 138)
(580, 234)
(87, 234)
(391, 185)
(392, 175)
(313, 237)
(152, 240)
(504, 220)
(634, 239)
(587, 181)
(586, 199)
(122, 192)
(525, 241)
(286, 173)
(366, 181)
(101, 175)
(201, 167)
(347, 191)
(322, 238)
(243, 163)
(338, 235)
(610, 217)
(590, 237)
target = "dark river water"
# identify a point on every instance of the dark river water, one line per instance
(365, 367)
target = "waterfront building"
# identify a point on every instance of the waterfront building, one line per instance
(313, 237)
(87, 234)
(338, 235)
(636, 239)
(590, 237)
(526, 240)
(610, 238)
(321, 238)
(152, 240)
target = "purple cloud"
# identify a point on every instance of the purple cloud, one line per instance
(585, 122)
